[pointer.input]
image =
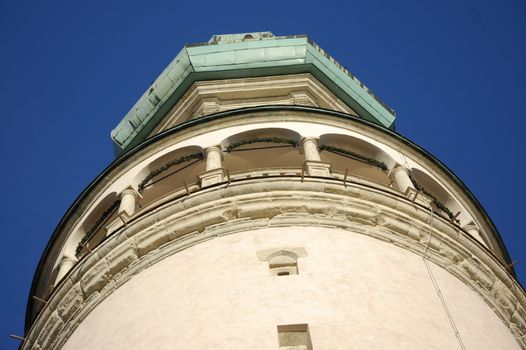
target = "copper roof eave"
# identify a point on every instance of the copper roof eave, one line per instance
(271, 56)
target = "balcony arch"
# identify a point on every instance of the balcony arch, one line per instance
(91, 230)
(359, 157)
(169, 172)
(258, 149)
(443, 203)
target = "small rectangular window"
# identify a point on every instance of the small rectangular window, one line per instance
(294, 337)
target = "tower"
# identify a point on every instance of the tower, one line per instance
(260, 199)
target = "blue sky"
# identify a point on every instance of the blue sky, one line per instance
(454, 71)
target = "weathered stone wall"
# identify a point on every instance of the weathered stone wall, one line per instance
(354, 292)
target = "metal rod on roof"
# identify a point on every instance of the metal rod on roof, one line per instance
(509, 266)
(17, 337)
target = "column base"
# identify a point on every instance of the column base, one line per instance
(117, 223)
(211, 177)
(317, 168)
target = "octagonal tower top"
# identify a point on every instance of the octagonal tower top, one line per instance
(245, 55)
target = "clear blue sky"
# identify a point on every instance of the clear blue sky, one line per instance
(454, 71)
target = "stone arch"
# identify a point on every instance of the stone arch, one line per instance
(93, 226)
(262, 149)
(359, 157)
(443, 202)
(169, 172)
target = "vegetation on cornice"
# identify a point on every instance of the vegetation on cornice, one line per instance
(355, 156)
(240, 143)
(180, 160)
(95, 227)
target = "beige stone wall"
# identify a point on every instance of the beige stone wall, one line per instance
(354, 292)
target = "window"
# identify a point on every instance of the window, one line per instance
(294, 337)
(283, 263)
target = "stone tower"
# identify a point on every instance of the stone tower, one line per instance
(261, 199)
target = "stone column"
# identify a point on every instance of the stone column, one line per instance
(401, 179)
(474, 231)
(64, 266)
(129, 198)
(213, 158)
(313, 163)
(310, 149)
(214, 167)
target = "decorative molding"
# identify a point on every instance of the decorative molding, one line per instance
(282, 202)
(206, 97)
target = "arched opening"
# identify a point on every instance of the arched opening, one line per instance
(443, 203)
(356, 157)
(94, 227)
(169, 173)
(262, 150)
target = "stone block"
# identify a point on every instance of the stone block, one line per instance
(71, 302)
(50, 331)
(149, 240)
(121, 256)
(95, 278)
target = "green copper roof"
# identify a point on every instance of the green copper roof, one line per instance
(240, 56)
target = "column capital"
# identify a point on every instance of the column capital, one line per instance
(309, 147)
(65, 265)
(397, 168)
(130, 191)
(309, 138)
(402, 180)
(216, 148)
(67, 259)
(129, 197)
